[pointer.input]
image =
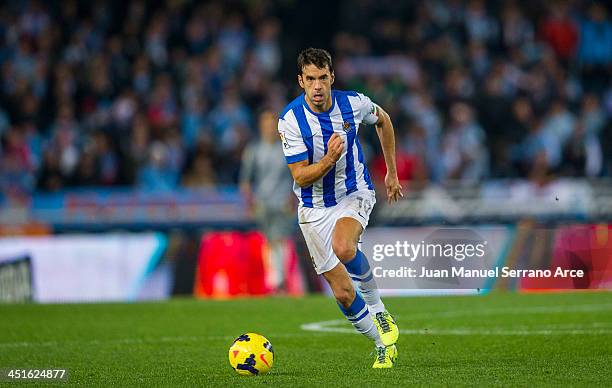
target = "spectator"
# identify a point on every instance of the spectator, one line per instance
(480, 26)
(16, 164)
(582, 155)
(463, 154)
(596, 38)
(595, 50)
(559, 30)
(158, 174)
(516, 29)
(201, 173)
(592, 114)
(410, 157)
(559, 122)
(539, 154)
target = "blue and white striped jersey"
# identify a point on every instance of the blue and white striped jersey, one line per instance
(305, 134)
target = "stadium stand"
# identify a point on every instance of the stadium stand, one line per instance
(162, 96)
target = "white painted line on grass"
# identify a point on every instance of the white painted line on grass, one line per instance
(341, 325)
(334, 327)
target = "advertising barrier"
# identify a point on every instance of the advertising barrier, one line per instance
(569, 249)
(83, 268)
(16, 279)
(231, 264)
(102, 208)
(234, 264)
(475, 259)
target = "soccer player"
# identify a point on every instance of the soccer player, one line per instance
(264, 179)
(318, 131)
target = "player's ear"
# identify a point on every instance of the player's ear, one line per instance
(333, 77)
(300, 81)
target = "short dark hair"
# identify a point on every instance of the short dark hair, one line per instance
(314, 56)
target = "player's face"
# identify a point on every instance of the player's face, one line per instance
(317, 84)
(267, 126)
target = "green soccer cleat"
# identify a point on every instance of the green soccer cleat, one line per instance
(387, 328)
(385, 357)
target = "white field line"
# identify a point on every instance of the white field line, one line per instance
(333, 327)
(340, 325)
(556, 309)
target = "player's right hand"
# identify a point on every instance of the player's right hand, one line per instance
(335, 147)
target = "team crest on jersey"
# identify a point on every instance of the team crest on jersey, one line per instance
(346, 126)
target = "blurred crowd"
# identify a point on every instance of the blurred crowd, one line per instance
(477, 90)
(166, 94)
(132, 93)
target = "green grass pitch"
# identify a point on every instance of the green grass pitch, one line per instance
(494, 340)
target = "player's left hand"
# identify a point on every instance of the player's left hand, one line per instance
(394, 189)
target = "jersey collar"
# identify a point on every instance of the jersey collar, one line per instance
(333, 105)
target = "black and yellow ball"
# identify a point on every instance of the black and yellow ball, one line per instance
(251, 354)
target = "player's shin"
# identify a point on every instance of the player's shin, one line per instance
(359, 270)
(357, 313)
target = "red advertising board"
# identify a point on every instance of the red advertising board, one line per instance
(586, 248)
(232, 264)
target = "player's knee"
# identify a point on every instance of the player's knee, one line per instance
(345, 295)
(344, 250)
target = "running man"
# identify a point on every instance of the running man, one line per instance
(318, 131)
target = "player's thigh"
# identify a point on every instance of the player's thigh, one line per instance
(317, 226)
(353, 215)
(345, 237)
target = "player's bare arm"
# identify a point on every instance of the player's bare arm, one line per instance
(386, 134)
(306, 174)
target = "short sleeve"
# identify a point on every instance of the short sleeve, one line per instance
(368, 111)
(293, 145)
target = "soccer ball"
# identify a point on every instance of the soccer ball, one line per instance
(251, 354)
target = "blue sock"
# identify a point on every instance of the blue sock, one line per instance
(360, 271)
(359, 268)
(358, 314)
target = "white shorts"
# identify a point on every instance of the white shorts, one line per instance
(318, 224)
